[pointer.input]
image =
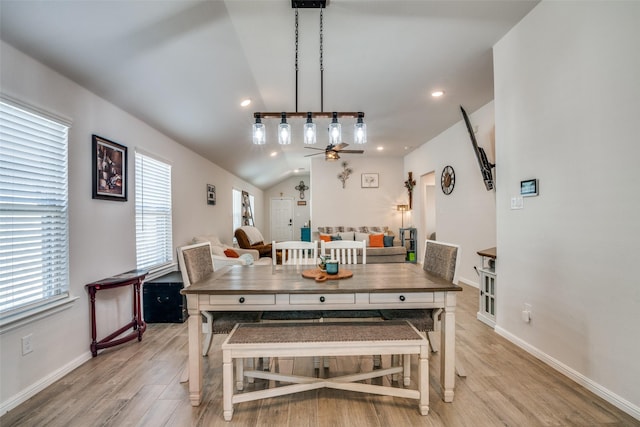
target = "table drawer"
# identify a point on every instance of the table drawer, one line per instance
(266, 299)
(322, 299)
(399, 297)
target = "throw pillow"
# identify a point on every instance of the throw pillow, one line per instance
(388, 241)
(347, 235)
(376, 240)
(217, 250)
(231, 253)
(325, 237)
(248, 259)
(336, 237)
(362, 236)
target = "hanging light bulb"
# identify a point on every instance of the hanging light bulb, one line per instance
(284, 131)
(309, 131)
(360, 131)
(259, 136)
(335, 130)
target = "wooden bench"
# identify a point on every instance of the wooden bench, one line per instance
(249, 340)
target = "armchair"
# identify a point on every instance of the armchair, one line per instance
(250, 238)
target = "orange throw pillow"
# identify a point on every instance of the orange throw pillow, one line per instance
(325, 237)
(231, 253)
(376, 240)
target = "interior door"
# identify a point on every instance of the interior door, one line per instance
(282, 219)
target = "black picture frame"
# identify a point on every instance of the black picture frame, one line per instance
(109, 170)
(211, 194)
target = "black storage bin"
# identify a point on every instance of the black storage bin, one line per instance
(162, 302)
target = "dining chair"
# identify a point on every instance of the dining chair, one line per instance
(294, 253)
(441, 260)
(196, 263)
(345, 251)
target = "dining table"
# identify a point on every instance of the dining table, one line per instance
(292, 288)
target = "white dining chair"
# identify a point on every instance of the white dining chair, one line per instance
(295, 253)
(345, 251)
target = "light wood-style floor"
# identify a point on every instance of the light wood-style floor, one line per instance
(137, 384)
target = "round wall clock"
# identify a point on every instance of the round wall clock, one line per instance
(448, 180)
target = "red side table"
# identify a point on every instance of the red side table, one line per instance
(131, 278)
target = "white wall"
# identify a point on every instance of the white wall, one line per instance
(102, 233)
(567, 102)
(287, 188)
(467, 216)
(355, 206)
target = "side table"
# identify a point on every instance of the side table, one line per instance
(132, 278)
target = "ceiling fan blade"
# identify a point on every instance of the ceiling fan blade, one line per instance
(352, 151)
(316, 148)
(340, 146)
(314, 154)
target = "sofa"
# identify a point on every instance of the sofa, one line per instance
(390, 251)
(223, 254)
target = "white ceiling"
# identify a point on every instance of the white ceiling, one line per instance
(183, 66)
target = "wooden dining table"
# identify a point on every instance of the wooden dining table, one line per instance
(283, 288)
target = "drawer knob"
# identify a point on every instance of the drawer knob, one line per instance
(241, 300)
(321, 299)
(402, 298)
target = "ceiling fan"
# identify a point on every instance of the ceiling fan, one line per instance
(331, 152)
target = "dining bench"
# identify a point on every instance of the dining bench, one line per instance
(249, 340)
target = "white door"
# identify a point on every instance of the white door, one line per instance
(282, 219)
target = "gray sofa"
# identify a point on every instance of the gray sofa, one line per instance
(393, 252)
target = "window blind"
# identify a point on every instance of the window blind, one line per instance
(153, 213)
(34, 226)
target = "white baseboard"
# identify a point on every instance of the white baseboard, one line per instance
(469, 282)
(43, 383)
(589, 384)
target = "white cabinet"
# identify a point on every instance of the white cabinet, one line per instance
(487, 302)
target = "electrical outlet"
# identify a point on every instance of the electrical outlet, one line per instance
(27, 345)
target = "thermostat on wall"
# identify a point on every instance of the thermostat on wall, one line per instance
(529, 187)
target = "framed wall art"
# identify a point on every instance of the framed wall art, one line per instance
(369, 180)
(109, 170)
(211, 194)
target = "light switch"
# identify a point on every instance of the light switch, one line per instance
(517, 202)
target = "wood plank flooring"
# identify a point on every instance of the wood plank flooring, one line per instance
(137, 384)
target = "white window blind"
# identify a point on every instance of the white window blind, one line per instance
(153, 212)
(34, 226)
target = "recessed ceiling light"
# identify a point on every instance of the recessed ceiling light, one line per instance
(274, 153)
(380, 148)
(245, 102)
(437, 93)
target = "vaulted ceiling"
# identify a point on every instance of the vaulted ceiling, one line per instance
(184, 67)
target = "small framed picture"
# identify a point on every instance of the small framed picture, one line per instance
(211, 194)
(529, 188)
(369, 180)
(109, 170)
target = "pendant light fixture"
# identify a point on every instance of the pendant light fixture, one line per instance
(284, 131)
(259, 137)
(309, 129)
(335, 131)
(360, 131)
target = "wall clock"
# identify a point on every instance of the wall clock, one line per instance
(448, 180)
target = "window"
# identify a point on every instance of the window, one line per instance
(153, 213)
(238, 208)
(34, 223)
